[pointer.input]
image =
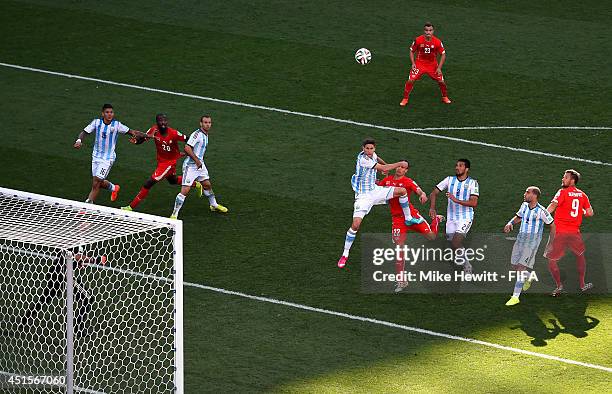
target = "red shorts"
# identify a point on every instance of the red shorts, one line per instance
(399, 228)
(563, 241)
(164, 170)
(415, 75)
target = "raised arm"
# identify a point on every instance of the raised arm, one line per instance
(387, 167)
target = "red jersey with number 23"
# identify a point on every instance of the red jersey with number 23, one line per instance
(394, 205)
(571, 204)
(427, 51)
(167, 145)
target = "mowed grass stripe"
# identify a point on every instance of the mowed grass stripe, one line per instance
(304, 114)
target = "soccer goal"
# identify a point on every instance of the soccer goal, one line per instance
(91, 298)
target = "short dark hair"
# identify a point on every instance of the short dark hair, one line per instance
(107, 106)
(407, 162)
(465, 161)
(574, 174)
(205, 116)
(368, 141)
(161, 115)
(428, 24)
(535, 190)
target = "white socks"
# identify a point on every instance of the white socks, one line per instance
(178, 204)
(211, 197)
(348, 241)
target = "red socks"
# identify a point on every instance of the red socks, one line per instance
(407, 89)
(443, 90)
(581, 268)
(434, 225)
(554, 270)
(142, 194)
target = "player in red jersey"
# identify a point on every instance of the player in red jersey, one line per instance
(168, 152)
(427, 48)
(569, 205)
(399, 229)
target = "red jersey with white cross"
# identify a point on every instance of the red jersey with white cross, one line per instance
(167, 145)
(571, 205)
(394, 205)
(427, 51)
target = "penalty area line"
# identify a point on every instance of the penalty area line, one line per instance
(398, 326)
(414, 131)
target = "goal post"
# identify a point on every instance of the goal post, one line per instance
(91, 298)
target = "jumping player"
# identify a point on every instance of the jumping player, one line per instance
(532, 216)
(166, 143)
(107, 129)
(399, 229)
(427, 48)
(568, 205)
(368, 193)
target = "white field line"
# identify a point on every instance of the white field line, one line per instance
(354, 317)
(360, 318)
(414, 131)
(399, 326)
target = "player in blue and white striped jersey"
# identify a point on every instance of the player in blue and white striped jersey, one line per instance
(462, 194)
(368, 193)
(107, 130)
(194, 170)
(532, 216)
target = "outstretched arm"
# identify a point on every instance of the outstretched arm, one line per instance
(136, 134)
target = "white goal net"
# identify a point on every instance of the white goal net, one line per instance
(90, 298)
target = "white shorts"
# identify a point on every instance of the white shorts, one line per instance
(454, 226)
(191, 173)
(365, 201)
(524, 251)
(100, 168)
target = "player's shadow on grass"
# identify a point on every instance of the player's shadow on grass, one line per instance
(570, 318)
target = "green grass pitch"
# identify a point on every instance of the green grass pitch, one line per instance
(286, 178)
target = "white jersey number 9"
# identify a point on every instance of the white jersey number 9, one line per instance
(575, 206)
